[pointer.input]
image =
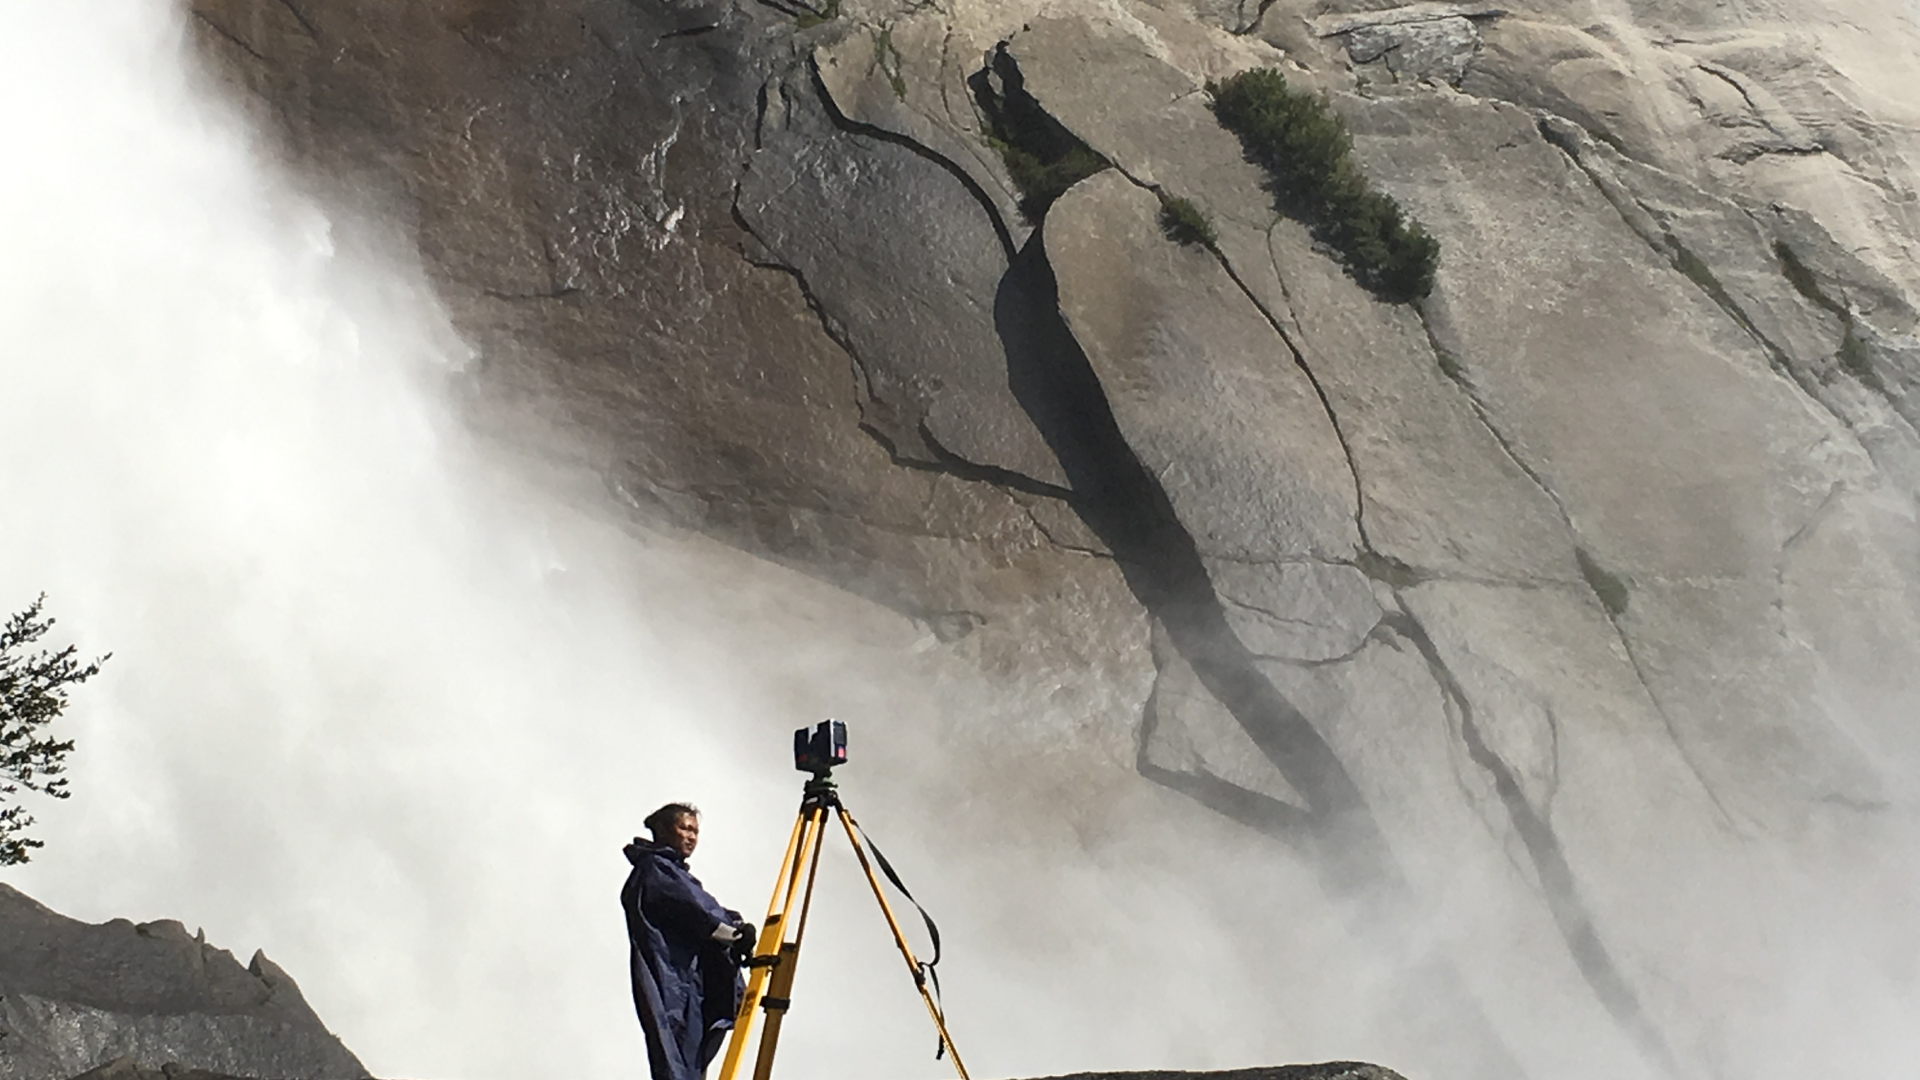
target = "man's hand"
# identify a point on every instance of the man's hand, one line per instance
(740, 950)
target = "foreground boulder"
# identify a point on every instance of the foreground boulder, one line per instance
(1331, 1070)
(75, 997)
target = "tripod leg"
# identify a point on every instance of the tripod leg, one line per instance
(900, 939)
(779, 994)
(802, 852)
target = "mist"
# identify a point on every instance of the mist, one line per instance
(386, 699)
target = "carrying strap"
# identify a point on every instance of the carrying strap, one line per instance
(926, 973)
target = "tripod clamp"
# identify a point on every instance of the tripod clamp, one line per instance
(820, 791)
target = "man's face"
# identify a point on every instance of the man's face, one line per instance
(683, 836)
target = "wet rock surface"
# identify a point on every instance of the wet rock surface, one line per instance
(75, 997)
(1609, 539)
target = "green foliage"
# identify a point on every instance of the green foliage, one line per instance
(1609, 587)
(810, 19)
(887, 58)
(1386, 569)
(1306, 152)
(1043, 178)
(33, 693)
(1801, 278)
(1043, 158)
(1855, 360)
(1852, 354)
(1185, 223)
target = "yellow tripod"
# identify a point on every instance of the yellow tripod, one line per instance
(775, 957)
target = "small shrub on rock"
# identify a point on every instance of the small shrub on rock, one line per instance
(1185, 223)
(1043, 177)
(809, 18)
(1853, 354)
(1610, 587)
(1043, 158)
(1306, 152)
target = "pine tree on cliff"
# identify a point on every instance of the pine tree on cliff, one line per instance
(33, 693)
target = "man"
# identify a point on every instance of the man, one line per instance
(686, 949)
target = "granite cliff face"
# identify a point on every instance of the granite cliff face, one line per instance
(1571, 610)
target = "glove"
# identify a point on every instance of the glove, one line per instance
(740, 949)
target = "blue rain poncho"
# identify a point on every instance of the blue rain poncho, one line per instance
(685, 987)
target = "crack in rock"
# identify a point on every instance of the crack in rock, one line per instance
(1572, 142)
(1555, 875)
(834, 205)
(846, 123)
(227, 35)
(305, 23)
(1792, 137)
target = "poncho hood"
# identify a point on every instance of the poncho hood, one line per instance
(646, 849)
